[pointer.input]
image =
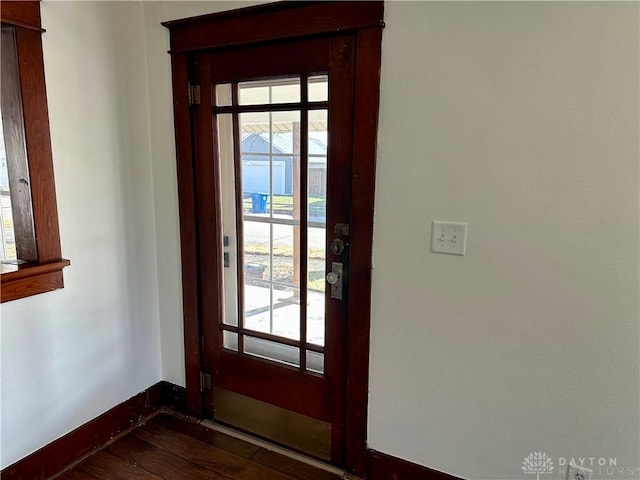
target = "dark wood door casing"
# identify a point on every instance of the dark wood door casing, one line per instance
(254, 26)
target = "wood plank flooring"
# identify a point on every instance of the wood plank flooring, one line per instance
(170, 448)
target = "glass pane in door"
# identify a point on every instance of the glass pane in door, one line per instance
(277, 265)
(229, 225)
(270, 146)
(223, 95)
(264, 92)
(315, 362)
(317, 215)
(318, 88)
(316, 285)
(272, 350)
(272, 290)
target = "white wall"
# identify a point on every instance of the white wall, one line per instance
(518, 118)
(164, 172)
(69, 355)
(522, 120)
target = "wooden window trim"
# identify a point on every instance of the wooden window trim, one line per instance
(45, 273)
(252, 26)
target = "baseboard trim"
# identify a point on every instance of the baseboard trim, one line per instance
(75, 445)
(381, 466)
(60, 454)
(173, 397)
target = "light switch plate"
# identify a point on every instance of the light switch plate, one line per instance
(449, 237)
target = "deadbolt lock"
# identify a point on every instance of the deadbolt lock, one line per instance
(341, 229)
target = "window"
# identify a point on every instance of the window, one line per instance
(30, 252)
(270, 145)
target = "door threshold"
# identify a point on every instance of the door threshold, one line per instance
(278, 449)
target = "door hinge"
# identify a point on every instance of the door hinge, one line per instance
(194, 94)
(205, 381)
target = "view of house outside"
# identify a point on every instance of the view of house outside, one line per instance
(271, 174)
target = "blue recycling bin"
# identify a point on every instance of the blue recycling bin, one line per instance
(259, 202)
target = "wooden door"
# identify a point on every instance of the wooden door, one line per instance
(276, 210)
(279, 132)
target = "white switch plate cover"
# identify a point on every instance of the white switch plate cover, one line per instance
(448, 237)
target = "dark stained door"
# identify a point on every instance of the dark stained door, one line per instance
(275, 110)
(274, 146)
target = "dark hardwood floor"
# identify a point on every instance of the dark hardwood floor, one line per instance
(171, 448)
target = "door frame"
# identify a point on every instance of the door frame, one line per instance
(256, 25)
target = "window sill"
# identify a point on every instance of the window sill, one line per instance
(20, 281)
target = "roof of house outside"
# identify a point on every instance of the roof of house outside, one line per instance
(258, 143)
